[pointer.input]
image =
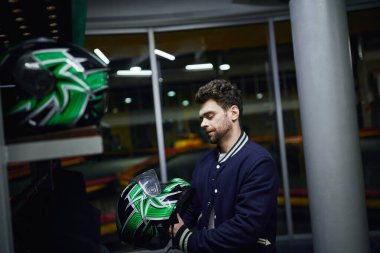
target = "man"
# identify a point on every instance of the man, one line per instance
(235, 185)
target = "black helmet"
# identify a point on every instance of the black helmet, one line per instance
(56, 85)
(146, 209)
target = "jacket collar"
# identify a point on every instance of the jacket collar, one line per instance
(236, 147)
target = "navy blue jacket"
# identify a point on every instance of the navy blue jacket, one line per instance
(242, 189)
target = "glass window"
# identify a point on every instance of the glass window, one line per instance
(128, 128)
(292, 129)
(238, 54)
(364, 29)
(129, 125)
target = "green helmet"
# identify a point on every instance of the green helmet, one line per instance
(56, 85)
(143, 218)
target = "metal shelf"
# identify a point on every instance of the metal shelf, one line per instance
(54, 149)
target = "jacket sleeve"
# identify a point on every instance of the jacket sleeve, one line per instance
(256, 203)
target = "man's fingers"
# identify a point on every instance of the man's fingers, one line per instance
(179, 218)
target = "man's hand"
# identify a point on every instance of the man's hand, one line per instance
(180, 235)
(176, 226)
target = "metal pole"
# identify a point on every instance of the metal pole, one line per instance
(280, 126)
(157, 107)
(6, 237)
(329, 125)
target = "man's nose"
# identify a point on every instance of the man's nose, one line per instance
(203, 123)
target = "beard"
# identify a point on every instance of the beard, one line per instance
(216, 136)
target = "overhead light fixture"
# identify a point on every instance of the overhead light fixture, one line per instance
(224, 67)
(7, 86)
(51, 8)
(164, 54)
(203, 66)
(128, 100)
(101, 55)
(171, 93)
(134, 71)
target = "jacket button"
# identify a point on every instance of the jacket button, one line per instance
(218, 166)
(216, 190)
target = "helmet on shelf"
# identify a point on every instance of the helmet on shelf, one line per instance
(51, 85)
(143, 218)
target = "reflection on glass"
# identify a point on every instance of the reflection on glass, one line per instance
(128, 128)
(129, 125)
(238, 54)
(292, 129)
(364, 29)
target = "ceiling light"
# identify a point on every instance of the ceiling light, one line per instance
(203, 66)
(134, 71)
(164, 54)
(7, 86)
(185, 103)
(128, 100)
(171, 93)
(51, 8)
(101, 55)
(224, 67)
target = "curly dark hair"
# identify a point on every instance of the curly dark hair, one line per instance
(223, 92)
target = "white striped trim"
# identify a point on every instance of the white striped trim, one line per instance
(184, 239)
(236, 147)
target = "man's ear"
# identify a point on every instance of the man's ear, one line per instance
(234, 110)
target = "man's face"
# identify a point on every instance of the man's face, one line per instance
(215, 121)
